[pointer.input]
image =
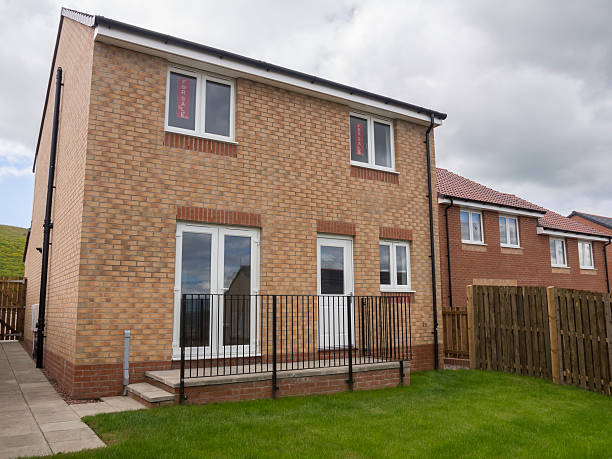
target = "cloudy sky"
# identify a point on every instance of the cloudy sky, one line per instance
(527, 85)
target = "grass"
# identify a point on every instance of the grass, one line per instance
(449, 413)
(12, 243)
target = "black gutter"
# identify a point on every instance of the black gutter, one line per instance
(27, 243)
(42, 121)
(44, 270)
(606, 263)
(432, 253)
(169, 39)
(448, 257)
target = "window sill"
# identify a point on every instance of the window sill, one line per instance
(473, 243)
(507, 246)
(589, 269)
(375, 168)
(396, 290)
(201, 136)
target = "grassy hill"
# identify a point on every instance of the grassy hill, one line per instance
(12, 243)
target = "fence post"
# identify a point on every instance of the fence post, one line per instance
(274, 386)
(182, 344)
(350, 341)
(551, 295)
(471, 326)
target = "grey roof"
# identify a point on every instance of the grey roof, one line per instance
(599, 219)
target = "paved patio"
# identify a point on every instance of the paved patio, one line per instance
(34, 420)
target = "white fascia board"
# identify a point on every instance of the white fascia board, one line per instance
(213, 63)
(480, 206)
(583, 237)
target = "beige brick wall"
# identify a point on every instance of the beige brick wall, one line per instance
(292, 167)
(75, 53)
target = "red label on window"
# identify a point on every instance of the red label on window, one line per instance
(182, 98)
(359, 139)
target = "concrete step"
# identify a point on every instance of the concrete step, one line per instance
(150, 395)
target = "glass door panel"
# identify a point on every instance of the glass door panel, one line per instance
(237, 289)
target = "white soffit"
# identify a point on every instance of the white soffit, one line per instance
(584, 237)
(481, 206)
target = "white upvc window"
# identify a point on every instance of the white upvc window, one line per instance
(200, 104)
(508, 231)
(372, 143)
(394, 266)
(585, 253)
(471, 227)
(558, 257)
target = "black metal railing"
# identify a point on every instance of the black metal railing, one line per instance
(241, 334)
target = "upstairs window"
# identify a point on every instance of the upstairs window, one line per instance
(557, 253)
(200, 104)
(471, 227)
(394, 266)
(508, 231)
(585, 253)
(371, 142)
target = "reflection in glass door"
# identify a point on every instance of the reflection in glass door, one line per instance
(335, 281)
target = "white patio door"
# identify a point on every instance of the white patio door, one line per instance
(219, 267)
(334, 283)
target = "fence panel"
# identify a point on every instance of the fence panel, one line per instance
(511, 330)
(585, 344)
(12, 308)
(455, 329)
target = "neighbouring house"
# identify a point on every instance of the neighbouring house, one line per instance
(493, 238)
(600, 223)
(186, 170)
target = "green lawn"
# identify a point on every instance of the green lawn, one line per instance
(450, 413)
(12, 243)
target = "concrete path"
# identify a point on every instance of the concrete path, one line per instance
(34, 420)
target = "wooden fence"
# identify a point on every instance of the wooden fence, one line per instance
(12, 308)
(455, 332)
(559, 334)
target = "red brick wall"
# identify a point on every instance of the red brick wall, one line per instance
(608, 249)
(529, 265)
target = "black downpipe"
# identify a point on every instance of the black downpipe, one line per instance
(448, 257)
(47, 226)
(606, 263)
(432, 245)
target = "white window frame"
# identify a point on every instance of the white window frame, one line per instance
(518, 237)
(557, 265)
(217, 232)
(590, 245)
(471, 240)
(370, 119)
(200, 111)
(393, 287)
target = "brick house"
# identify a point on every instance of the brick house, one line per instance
(173, 155)
(493, 238)
(600, 223)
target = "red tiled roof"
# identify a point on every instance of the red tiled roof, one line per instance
(554, 221)
(456, 186)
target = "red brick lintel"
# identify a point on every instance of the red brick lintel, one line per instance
(332, 227)
(400, 234)
(374, 174)
(192, 143)
(218, 216)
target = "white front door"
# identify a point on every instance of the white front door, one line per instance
(334, 283)
(218, 266)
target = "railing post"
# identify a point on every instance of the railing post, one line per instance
(182, 345)
(350, 341)
(274, 386)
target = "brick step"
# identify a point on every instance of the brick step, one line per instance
(150, 395)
